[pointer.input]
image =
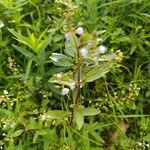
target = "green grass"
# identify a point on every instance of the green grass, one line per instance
(109, 109)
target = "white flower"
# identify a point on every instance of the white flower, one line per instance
(4, 126)
(68, 36)
(65, 91)
(98, 39)
(1, 24)
(140, 144)
(5, 92)
(59, 75)
(84, 52)
(43, 117)
(12, 125)
(80, 31)
(102, 49)
(72, 85)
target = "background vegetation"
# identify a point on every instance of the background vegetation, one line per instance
(30, 31)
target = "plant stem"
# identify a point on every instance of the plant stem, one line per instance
(77, 100)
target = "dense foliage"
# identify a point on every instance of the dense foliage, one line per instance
(74, 74)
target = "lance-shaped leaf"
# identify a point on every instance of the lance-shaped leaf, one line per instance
(61, 60)
(16, 133)
(78, 117)
(57, 114)
(90, 111)
(23, 51)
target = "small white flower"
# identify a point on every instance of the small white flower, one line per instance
(84, 52)
(5, 92)
(80, 31)
(98, 39)
(68, 36)
(12, 125)
(147, 145)
(102, 49)
(59, 75)
(140, 144)
(1, 24)
(65, 91)
(72, 85)
(43, 117)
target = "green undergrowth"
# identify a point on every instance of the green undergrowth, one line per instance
(74, 74)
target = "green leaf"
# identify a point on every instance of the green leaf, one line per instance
(97, 137)
(90, 111)
(79, 118)
(61, 60)
(147, 138)
(65, 79)
(70, 48)
(95, 72)
(57, 114)
(17, 133)
(23, 51)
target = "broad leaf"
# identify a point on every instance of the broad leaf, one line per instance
(147, 138)
(70, 48)
(61, 60)
(17, 133)
(23, 51)
(90, 111)
(57, 114)
(93, 73)
(79, 118)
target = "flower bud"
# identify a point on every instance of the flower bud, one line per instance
(102, 49)
(68, 36)
(65, 91)
(84, 52)
(80, 31)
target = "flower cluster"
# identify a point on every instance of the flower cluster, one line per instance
(133, 92)
(143, 145)
(4, 98)
(12, 65)
(85, 48)
(8, 122)
(46, 94)
(127, 96)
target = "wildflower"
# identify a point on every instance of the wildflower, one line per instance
(84, 52)
(98, 39)
(43, 117)
(65, 91)
(1, 24)
(4, 126)
(119, 55)
(59, 75)
(80, 31)
(140, 144)
(12, 125)
(5, 92)
(68, 36)
(102, 49)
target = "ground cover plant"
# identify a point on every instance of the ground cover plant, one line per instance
(74, 74)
